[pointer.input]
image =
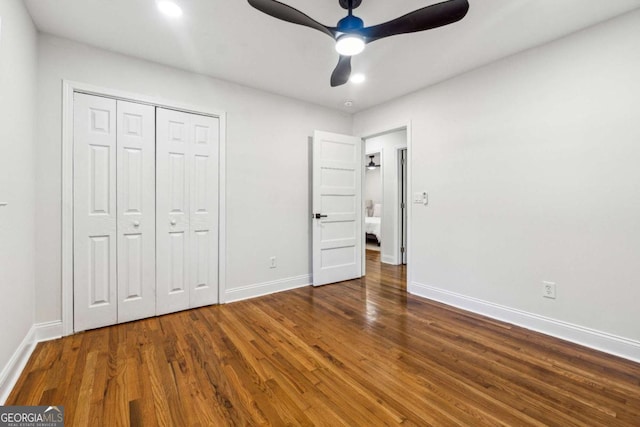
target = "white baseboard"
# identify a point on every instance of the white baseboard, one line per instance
(388, 259)
(266, 288)
(598, 340)
(48, 331)
(11, 372)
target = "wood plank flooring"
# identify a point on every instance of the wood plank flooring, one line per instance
(359, 353)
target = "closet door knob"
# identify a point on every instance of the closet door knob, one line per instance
(173, 222)
(136, 224)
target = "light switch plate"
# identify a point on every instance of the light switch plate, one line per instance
(421, 198)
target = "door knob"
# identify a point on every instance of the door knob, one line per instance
(318, 216)
(173, 222)
(136, 224)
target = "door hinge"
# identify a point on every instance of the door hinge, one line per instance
(401, 250)
(401, 205)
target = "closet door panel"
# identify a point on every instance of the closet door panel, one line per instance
(136, 211)
(173, 175)
(95, 216)
(204, 211)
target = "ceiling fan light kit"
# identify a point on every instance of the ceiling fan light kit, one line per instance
(350, 34)
(372, 165)
(349, 44)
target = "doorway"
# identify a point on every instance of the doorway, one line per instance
(388, 209)
(339, 208)
(373, 201)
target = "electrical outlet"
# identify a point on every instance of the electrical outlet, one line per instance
(272, 263)
(549, 290)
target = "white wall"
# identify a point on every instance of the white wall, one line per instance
(373, 180)
(18, 59)
(268, 210)
(532, 165)
(388, 145)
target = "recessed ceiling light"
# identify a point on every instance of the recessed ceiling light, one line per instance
(357, 78)
(170, 9)
(348, 103)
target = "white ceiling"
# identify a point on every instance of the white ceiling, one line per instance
(228, 39)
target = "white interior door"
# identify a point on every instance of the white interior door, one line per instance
(173, 152)
(95, 216)
(145, 211)
(337, 208)
(203, 219)
(136, 211)
(186, 210)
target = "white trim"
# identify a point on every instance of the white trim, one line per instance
(363, 209)
(138, 98)
(68, 89)
(383, 130)
(48, 331)
(401, 183)
(222, 210)
(383, 201)
(39, 332)
(397, 242)
(12, 370)
(409, 206)
(388, 259)
(266, 288)
(67, 208)
(598, 340)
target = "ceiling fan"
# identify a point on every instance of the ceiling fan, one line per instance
(372, 165)
(351, 35)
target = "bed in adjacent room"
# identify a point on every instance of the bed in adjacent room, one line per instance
(372, 225)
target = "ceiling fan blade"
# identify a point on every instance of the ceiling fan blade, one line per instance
(342, 71)
(289, 14)
(429, 17)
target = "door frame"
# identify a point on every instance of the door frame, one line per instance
(364, 175)
(68, 89)
(403, 180)
(406, 125)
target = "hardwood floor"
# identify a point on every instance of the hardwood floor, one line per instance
(359, 353)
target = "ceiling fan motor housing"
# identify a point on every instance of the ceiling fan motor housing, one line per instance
(350, 23)
(345, 3)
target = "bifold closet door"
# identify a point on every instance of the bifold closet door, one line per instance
(114, 212)
(95, 216)
(187, 210)
(136, 173)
